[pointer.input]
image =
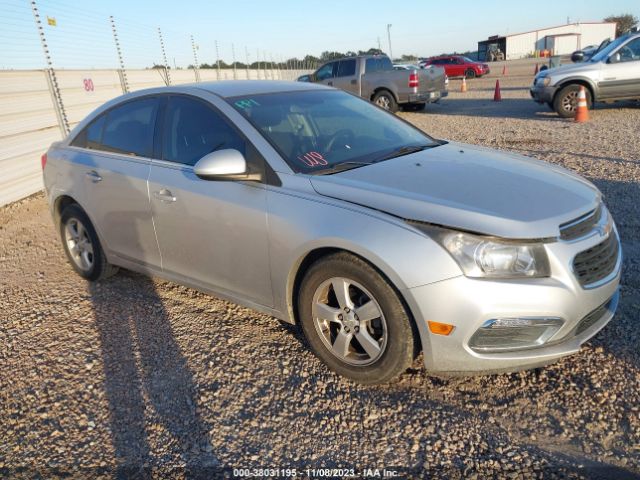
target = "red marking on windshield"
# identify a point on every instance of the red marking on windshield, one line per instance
(313, 159)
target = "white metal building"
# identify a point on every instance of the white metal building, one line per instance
(560, 40)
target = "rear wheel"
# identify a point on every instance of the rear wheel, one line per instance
(82, 246)
(385, 99)
(354, 320)
(566, 100)
(470, 73)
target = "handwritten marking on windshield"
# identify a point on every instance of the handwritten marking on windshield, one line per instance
(246, 103)
(313, 159)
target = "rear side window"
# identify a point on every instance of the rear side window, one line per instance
(371, 65)
(347, 68)
(91, 136)
(192, 129)
(129, 128)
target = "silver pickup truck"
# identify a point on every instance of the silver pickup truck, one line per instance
(611, 74)
(374, 78)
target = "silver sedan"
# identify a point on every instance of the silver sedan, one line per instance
(318, 208)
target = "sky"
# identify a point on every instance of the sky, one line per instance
(273, 29)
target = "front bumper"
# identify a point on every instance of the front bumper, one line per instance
(468, 303)
(542, 94)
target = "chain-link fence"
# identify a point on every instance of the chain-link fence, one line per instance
(59, 61)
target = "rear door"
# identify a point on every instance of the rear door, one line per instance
(622, 78)
(114, 158)
(345, 77)
(211, 233)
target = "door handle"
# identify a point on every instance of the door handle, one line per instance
(330, 83)
(94, 176)
(165, 195)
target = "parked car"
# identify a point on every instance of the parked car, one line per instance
(309, 204)
(397, 66)
(458, 66)
(587, 52)
(373, 77)
(611, 74)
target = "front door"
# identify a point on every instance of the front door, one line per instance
(621, 77)
(211, 233)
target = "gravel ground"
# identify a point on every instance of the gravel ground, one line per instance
(140, 377)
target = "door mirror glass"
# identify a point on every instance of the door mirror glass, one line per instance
(615, 58)
(228, 164)
(577, 57)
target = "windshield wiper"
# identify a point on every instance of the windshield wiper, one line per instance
(408, 149)
(341, 167)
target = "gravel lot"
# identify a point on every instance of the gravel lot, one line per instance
(141, 377)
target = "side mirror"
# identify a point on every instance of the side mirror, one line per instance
(225, 164)
(615, 58)
(577, 57)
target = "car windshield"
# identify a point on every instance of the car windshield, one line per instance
(468, 60)
(326, 131)
(604, 53)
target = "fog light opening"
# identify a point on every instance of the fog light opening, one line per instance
(504, 334)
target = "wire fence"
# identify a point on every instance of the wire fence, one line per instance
(59, 34)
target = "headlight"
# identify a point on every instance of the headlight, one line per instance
(543, 81)
(487, 257)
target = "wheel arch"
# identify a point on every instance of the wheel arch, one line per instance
(60, 203)
(576, 81)
(386, 89)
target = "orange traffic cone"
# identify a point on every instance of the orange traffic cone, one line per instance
(536, 70)
(463, 87)
(582, 110)
(496, 95)
(504, 69)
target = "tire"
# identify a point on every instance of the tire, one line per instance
(385, 99)
(82, 246)
(470, 73)
(414, 107)
(565, 101)
(388, 334)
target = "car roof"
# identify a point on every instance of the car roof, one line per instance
(236, 88)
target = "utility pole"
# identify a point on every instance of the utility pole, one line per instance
(389, 38)
(164, 57)
(246, 53)
(121, 72)
(233, 55)
(217, 61)
(379, 46)
(196, 65)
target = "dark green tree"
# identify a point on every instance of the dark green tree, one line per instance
(624, 22)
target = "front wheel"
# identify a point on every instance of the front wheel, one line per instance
(384, 99)
(470, 73)
(354, 320)
(566, 100)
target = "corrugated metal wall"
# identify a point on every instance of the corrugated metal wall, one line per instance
(28, 122)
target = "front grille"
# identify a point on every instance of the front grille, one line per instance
(592, 318)
(598, 262)
(580, 226)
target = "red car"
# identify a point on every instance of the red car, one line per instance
(458, 66)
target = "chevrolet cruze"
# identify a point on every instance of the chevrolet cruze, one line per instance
(318, 208)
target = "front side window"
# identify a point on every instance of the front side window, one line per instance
(193, 129)
(129, 128)
(631, 51)
(326, 71)
(317, 130)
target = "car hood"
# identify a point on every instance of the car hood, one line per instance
(569, 68)
(469, 188)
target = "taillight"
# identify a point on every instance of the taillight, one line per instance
(43, 160)
(413, 80)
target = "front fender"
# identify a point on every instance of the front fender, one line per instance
(300, 224)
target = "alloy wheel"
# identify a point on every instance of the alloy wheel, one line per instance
(79, 244)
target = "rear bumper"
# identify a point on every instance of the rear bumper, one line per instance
(427, 97)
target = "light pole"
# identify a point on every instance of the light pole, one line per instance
(389, 38)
